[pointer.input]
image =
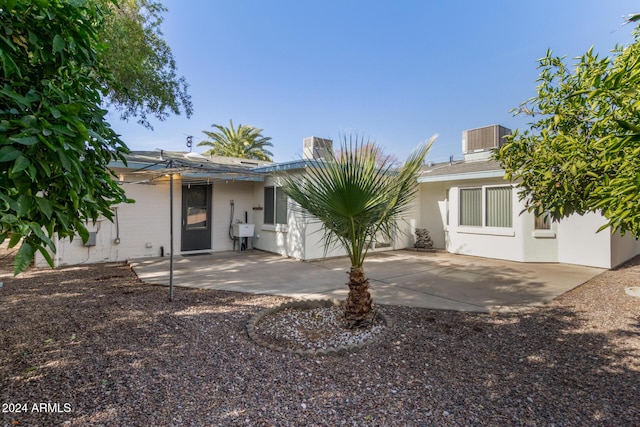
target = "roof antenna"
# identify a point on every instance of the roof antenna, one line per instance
(189, 142)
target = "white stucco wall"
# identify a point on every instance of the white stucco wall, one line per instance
(573, 240)
(578, 242)
(299, 238)
(144, 225)
(143, 229)
(433, 212)
(491, 242)
(278, 238)
(223, 193)
(538, 245)
(302, 237)
(314, 242)
(623, 248)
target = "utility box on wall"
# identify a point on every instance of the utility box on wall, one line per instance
(92, 239)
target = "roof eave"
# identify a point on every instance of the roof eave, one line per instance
(462, 176)
(286, 166)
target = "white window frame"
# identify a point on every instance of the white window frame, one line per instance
(278, 223)
(483, 228)
(460, 207)
(500, 216)
(543, 233)
(544, 218)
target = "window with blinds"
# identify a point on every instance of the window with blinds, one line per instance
(471, 207)
(499, 209)
(486, 207)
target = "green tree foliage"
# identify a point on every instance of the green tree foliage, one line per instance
(145, 82)
(245, 142)
(55, 144)
(356, 196)
(582, 152)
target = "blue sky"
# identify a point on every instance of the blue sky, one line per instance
(395, 72)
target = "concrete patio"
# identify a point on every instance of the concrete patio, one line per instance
(419, 279)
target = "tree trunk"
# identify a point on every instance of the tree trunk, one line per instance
(359, 306)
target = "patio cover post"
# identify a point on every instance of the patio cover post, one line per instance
(171, 165)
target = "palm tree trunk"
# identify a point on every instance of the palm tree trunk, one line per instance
(359, 306)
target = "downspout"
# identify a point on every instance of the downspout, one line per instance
(56, 259)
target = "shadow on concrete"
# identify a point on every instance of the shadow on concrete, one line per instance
(432, 280)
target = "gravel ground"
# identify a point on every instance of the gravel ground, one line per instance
(313, 329)
(91, 346)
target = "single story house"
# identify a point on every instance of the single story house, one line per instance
(467, 206)
(209, 195)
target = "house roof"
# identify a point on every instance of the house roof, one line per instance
(461, 170)
(190, 166)
(286, 166)
(150, 165)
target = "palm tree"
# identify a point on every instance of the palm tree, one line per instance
(245, 142)
(356, 198)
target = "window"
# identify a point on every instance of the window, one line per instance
(486, 207)
(196, 205)
(499, 207)
(542, 221)
(275, 206)
(471, 207)
(269, 205)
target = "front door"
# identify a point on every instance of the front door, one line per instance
(196, 217)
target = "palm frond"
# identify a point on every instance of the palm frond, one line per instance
(245, 142)
(354, 195)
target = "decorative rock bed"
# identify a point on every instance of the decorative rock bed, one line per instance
(313, 328)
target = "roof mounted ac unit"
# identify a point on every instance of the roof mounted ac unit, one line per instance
(316, 148)
(484, 138)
